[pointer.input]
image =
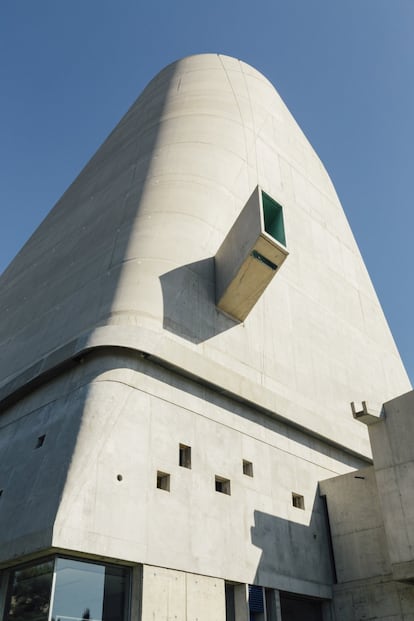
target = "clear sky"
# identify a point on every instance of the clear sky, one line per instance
(69, 69)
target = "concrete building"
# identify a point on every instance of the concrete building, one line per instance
(181, 339)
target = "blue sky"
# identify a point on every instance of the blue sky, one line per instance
(69, 69)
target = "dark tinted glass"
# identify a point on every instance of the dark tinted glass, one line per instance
(29, 593)
(298, 609)
(89, 591)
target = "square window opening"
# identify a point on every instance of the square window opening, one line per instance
(185, 456)
(222, 485)
(298, 501)
(40, 441)
(273, 219)
(163, 481)
(247, 468)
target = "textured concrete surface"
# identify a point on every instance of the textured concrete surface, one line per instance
(171, 594)
(371, 517)
(392, 446)
(381, 600)
(357, 526)
(123, 415)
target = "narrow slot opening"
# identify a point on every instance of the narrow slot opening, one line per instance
(184, 458)
(40, 441)
(247, 468)
(259, 257)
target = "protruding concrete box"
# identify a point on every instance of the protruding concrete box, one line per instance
(250, 255)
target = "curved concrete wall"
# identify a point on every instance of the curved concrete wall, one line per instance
(126, 257)
(109, 424)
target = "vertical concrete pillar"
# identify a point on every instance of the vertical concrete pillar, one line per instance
(136, 594)
(241, 602)
(278, 608)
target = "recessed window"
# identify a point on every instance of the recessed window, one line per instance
(163, 481)
(247, 468)
(40, 441)
(1, 492)
(222, 485)
(273, 218)
(298, 501)
(185, 456)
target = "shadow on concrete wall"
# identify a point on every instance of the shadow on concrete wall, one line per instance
(293, 550)
(189, 302)
(291, 553)
(37, 446)
(88, 227)
(64, 280)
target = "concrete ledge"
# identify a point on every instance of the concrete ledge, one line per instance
(172, 354)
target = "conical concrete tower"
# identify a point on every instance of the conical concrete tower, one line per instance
(171, 393)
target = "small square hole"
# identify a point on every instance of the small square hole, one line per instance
(163, 481)
(223, 485)
(185, 456)
(247, 468)
(298, 501)
(40, 441)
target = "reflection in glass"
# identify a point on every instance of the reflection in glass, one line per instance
(82, 592)
(78, 591)
(29, 594)
(88, 591)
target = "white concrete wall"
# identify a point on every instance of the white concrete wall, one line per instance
(114, 415)
(130, 248)
(371, 519)
(169, 594)
(392, 446)
(357, 526)
(382, 600)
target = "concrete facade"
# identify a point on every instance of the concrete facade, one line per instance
(116, 359)
(371, 513)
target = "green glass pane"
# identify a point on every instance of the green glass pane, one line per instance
(273, 219)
